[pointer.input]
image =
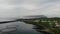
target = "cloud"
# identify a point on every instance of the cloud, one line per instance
(18, 8)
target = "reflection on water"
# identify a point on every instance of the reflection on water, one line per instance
(17, 28)
(8, 29)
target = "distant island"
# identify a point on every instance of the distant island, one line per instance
(34, 16)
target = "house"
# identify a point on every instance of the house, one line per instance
(57, 24)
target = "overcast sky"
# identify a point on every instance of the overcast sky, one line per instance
(17, 8)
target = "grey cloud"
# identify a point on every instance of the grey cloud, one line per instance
(18, 8)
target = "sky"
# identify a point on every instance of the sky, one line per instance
(19, 8)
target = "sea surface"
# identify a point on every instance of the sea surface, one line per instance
(17, 28)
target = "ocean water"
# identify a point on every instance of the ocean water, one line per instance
(17, 28)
